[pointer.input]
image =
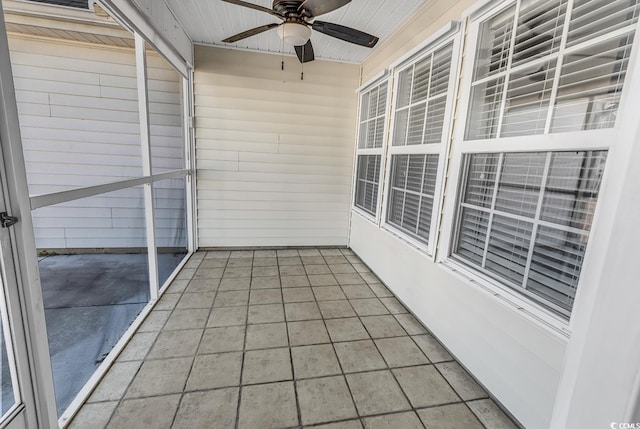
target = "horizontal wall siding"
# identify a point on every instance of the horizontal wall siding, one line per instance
(274, 154)
(78, 107)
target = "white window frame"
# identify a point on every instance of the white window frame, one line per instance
(377, 81)
(600, 139)
(450, 34)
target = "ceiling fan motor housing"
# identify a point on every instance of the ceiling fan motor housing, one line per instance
(287, 8)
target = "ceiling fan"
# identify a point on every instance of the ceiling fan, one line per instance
(298, 18)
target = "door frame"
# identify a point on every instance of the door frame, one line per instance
(24, 295)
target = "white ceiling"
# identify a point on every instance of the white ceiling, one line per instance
(210, 21)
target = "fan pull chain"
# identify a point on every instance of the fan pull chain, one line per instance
(302, 64)
(282, 50)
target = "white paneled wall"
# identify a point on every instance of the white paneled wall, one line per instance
(80, 127)
(274, 153)
(78, 107)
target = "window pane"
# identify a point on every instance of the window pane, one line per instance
(528, 100)
(593, 18)
(94, 275)
(400, 127)
(170, 203)
(421, 76)
(415, 173)
(368, 177)
(364, 107)
(441, 71)
(481, 179)
(559, 221)
(494, 44)
(520, 180)
(404, 87)
(371, 133)
(556, 264)
(372, 117)
(590, 86)
(373, 103)
(416, 124)
(472, 235)
(572, 188)
(166, 127)
(410, 213)
(382, 99)
(78, 113)
(435, 120)
(486, 102)
(509, 242)
(539, 31)
(412, 189)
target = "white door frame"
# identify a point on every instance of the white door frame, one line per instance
(24, 293)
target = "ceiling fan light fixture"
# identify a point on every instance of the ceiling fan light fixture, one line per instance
(294, 33)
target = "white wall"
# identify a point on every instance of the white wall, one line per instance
(274, 154)
(80, 127)
(518, 361)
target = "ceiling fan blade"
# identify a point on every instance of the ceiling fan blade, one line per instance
(347, 34)
(312, 8)
(254, 6)
(249, 33)
(305, 52)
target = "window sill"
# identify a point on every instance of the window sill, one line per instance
(421, 247)
(363, 214)
(511, 299)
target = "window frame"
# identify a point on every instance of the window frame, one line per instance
(377, 82)
(598, 139)
(451, 35)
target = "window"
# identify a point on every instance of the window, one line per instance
(526, 200)
(420, 134)
(524, 218)
(549, 68)
(371, 132)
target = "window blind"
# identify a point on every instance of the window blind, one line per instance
(421, 104)
(372, 117)
(524, 218)
(412, 189)
(421, 99)
(514, 75)
(373, 108)
(367, 179)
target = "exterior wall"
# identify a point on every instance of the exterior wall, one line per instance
(518, 359)
(80, 127)
(274, 154)
(430, 18)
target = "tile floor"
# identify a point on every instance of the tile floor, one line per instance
(290, 338)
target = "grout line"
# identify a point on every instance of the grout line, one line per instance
(244, 348)
(294, 377)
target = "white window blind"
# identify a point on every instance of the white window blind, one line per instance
(524, 218)
(543, 66)
(373, 106)
(412, 189)
(371, 132)
(421, 111)
(367, 179)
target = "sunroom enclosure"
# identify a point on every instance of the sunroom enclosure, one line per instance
(481, 162)
(104, 124)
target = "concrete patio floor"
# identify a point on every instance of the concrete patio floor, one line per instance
(90, 301)
(285, 339)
